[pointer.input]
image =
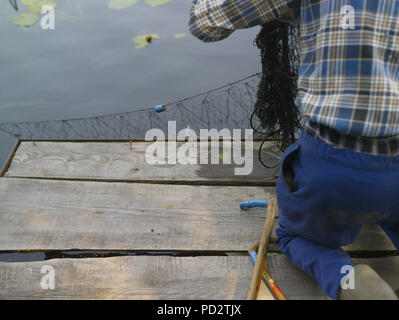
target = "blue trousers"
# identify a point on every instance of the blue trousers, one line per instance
(324, 196)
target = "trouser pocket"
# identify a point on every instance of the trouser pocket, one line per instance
(287, 174)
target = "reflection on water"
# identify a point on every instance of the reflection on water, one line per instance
(89, 64)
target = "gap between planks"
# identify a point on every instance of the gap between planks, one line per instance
(42, 255)
(221, 183)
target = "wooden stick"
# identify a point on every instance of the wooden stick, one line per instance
(274, 288)
(263, 245)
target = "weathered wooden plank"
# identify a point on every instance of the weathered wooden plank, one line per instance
(297, 285)
(163, 277)
(386, 267)
(122, 161)
(62, 215)
(140, 277)
(9, 159)
(371, 238)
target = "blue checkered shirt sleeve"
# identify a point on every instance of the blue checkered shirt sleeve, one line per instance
(214, 20)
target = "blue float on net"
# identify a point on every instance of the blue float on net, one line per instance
(160, 108)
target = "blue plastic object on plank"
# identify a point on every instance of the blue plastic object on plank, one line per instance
(253, 204)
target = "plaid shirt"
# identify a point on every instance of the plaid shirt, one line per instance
(349, 75)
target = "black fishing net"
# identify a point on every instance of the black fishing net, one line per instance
(226, 107)
(275, 114)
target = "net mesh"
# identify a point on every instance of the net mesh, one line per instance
(228, 107)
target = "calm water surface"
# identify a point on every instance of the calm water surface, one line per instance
(89, 65)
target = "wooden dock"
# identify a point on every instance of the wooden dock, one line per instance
(177, 230)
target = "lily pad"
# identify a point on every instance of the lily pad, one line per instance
(140, 42)
(156, 3)
(28, 2)
(35, 6)
(179, 35)
(121, 4)
(143, 40)
(25, 19)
